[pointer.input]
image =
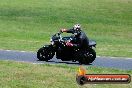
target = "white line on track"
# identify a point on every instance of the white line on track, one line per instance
(17, 51)
(114, 57)
(37, 63)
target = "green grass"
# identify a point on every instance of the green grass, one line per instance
(27, 75)
(27, 25)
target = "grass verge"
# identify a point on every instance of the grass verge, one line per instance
(28, 75)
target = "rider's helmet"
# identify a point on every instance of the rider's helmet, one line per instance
(77, 29)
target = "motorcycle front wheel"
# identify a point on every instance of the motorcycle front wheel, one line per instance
(45, 54)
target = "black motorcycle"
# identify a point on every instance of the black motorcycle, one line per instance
(61, 51)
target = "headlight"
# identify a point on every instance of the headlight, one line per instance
(52, 42)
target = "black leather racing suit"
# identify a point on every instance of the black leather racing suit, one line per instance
(81, 40)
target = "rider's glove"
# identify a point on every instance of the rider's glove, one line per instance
(63, 30)
(69, 44)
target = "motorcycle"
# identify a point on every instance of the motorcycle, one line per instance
(59, 49)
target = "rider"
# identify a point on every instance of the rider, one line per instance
(82, 40)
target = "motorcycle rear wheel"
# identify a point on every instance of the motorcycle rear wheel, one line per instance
(86, 57)
(92, 55)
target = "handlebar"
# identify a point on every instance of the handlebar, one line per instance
(60, 37)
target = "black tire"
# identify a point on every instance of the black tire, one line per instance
(92, 55)
(87, 56)
(45, 54)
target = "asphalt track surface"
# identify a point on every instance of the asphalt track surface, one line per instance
(108, 62)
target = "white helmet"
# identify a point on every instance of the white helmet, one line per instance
(77, 27)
